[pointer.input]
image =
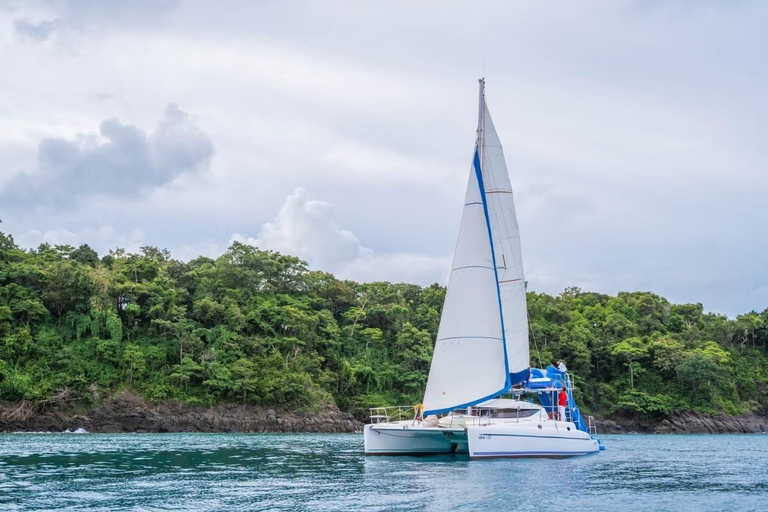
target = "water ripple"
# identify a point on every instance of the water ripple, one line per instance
(226, 472)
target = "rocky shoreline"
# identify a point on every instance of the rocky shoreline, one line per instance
(127, 412)
(688, 422)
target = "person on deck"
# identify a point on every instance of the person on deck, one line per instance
(561, 366)
(562, 402)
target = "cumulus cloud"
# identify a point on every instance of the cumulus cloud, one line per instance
(123, 161)
(309, 229)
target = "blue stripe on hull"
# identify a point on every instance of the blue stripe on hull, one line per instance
(529, 454)
(540, 437)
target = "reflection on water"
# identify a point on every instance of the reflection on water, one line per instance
(328, 472)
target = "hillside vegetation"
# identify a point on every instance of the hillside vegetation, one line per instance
(259, 327)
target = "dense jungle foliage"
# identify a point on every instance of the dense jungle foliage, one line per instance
(260, 327)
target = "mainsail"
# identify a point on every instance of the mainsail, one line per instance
(482, 342)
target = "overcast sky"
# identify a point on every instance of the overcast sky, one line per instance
(634, 131)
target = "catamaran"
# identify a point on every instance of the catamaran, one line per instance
(482, 396)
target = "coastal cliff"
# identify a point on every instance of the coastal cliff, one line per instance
(687, 422)
(127, 412)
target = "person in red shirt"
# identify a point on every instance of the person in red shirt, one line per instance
(562, 401)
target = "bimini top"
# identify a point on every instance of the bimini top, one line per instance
(482, 342)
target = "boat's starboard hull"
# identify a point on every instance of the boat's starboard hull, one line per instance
(499, 441)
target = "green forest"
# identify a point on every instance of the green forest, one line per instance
(259, 327)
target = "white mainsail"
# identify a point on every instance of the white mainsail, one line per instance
(509, 257)
(483, 333)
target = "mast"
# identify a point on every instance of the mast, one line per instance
(479, 140)
(481, 114)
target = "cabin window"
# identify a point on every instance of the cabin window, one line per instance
(513, 413)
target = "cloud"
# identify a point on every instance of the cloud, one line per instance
(91, 16)
(633, 133)
(35, 31)
(122, 162)
(308, 228)
(101, 239)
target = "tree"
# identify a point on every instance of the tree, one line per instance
(631, 349)
(246, 377)
(747, 327)
(6, 242)
(85, 255)
(698, 369)
(135, 361)
(68, 288)
(667, 353)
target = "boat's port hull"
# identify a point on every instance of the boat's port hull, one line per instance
(529, 441)
(402, 438)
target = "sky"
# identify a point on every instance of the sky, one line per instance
(342, 132)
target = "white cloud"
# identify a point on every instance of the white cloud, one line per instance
(633, 132)
(101, 239)
(309, 229)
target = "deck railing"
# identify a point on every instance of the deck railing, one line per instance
(591, 426)
(392, 413)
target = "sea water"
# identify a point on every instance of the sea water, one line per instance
(313, 472)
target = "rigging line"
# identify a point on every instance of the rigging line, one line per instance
(533, 336)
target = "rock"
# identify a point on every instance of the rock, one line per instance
(606, 426)
(687, 422)
(694, 422)
(127, 412)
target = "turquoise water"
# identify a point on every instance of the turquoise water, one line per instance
(233, 472)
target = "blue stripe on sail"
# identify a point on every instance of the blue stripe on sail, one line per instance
(518, 377)
(507, 383)
(480, 183)
(468, 404)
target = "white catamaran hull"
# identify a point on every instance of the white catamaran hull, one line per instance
(550, 439)
(499, 441)
(402, 438)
